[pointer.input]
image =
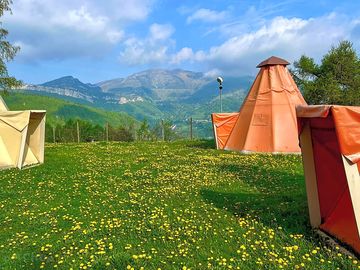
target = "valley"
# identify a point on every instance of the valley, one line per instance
(155, 94)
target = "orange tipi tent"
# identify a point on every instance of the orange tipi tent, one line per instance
(266, 121)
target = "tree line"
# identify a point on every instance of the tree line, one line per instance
(74, 130)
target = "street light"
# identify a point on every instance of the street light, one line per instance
(220, 81)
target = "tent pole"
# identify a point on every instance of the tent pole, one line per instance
(220, 100)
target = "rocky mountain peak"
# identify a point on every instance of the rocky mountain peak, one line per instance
(72, 83)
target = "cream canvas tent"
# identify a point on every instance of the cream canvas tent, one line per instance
(330, 146)
(266, 121)
(22, 137)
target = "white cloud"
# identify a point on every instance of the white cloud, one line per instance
(65, 29)
(124, 10)
(206, 15)
(153, 49)
(239, 54)
(283, 37)
(140, 52)
(161, 31)
(213, 73)
(186, 54)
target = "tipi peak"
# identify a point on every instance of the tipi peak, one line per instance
(272, 61)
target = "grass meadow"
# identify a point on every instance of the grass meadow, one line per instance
(157, 205)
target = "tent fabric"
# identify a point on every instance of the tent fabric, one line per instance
(267, 118)
(22, 137)
(346, 120)
(3, 106)
(223, 124)
(333, 134)
(16, 119)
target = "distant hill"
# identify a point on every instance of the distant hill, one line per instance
(152, 94)
(69, 82)
(159, 81)
(209, 91)
(154, 85)
(59, 110)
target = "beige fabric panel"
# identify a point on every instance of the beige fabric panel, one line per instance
(42, 139)
(5, 159)
(22, 148)
(29, 157)
(310, 176)
(3, 106)
(16, 119)
(353, 179)
(11, 139)
(35, 139)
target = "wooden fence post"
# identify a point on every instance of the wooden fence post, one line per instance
(78, 131)
(107, 131)
(162, 129)
(191, 128)
(54, 138)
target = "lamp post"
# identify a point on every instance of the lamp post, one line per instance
(220, 81)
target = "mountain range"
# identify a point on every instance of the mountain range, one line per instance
(152, 94)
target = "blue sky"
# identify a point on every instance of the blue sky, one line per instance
(100, 40)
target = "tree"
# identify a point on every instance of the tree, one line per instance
(121, 134)
(335, 81)
(7, 52)
(167, 127)
(144, 131)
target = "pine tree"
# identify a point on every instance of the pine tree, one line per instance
(335, 81)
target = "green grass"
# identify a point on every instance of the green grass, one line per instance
(159, 205)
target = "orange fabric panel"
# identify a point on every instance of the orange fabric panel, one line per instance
(239, 134)
(337, 213)
(267, 118)
(284, 125)
(223, 124)
(342, 224)
(330, 174)
(347, 121)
